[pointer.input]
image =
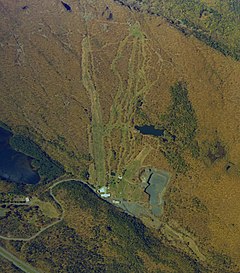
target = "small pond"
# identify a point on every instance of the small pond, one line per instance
(15, 166)
(150, 130)
(157, 183)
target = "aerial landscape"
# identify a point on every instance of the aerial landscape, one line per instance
(119, 126)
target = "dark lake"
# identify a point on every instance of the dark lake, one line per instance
(15, 166)
(66, 6)
(150, 130)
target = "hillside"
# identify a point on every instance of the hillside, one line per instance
(78, 77)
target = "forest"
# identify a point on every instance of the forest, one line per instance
(47, 168)
(180, 124)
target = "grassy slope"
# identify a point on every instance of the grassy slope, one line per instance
(96, 124)
(48, 95)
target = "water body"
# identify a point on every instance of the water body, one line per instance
(157, 184)
(150, 130)
(15, 166)
(66, 6)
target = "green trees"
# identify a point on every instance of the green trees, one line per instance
(47, 168)
(72, 254)
(125, 234)
(180, 122)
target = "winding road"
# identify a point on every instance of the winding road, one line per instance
(52, 224)
(25, 267)
(29, 269)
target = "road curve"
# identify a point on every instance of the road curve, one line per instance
(30, 269)
(19, 263)
(54, 223)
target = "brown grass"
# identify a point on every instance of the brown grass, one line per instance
(41, 89)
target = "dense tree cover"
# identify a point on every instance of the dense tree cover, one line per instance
(22, 221)
(221, 261)
(47, 168)
(124, 235)
(10, 197)
(64, 251)
(63, 248)
(17, 245)
(180, 120)
(180, 124)
(8, 267)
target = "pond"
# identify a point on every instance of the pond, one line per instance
(150, 130)
(15, 166)
(157, 183)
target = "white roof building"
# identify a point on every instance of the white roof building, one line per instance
(103, 192)
(105, 195)
(102, 189)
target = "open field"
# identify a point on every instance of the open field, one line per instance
(46, 207)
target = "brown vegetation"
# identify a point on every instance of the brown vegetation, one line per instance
(43, 96)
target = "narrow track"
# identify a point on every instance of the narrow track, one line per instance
(17, 262)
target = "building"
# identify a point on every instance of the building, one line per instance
(105, 195)
(103, 189)
(103, 192)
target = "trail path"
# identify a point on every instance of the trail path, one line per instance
(168, 230)
(52, 224)
(17, 262)
(97, 128)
